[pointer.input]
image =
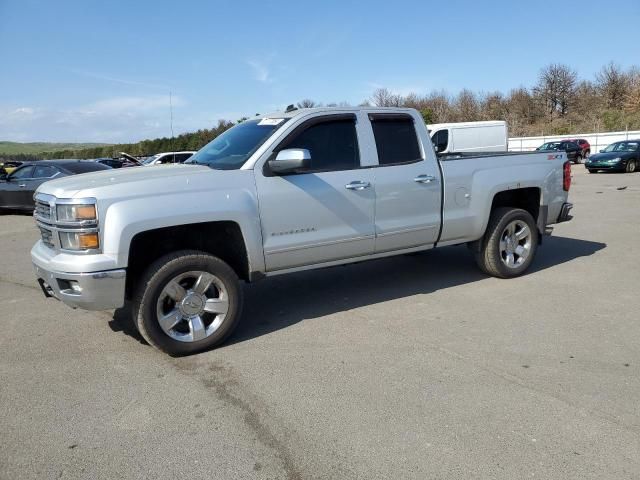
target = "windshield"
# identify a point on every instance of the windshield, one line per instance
(150, 159)
(231, 149)
(623, 147)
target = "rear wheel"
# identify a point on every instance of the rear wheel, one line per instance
(187, 302)
(509, 244)
(631, 166)
(591, 170)
(579, 159)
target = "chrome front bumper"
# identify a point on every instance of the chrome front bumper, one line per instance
(89, 291)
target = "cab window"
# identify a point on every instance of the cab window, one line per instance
(333, 145)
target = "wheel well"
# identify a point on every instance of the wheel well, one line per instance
(222, 239)
(525, 198)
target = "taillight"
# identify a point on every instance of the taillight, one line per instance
(566, 176)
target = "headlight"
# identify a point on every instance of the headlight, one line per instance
(614, 160)
(76, 213)
(79, 241)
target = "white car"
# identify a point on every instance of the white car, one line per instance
(167, 157)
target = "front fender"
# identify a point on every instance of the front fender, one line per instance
(127, 218)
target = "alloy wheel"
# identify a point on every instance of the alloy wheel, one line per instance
(192, 306)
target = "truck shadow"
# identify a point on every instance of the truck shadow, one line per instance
(280, 302)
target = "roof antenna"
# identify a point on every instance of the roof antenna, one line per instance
(171, 123)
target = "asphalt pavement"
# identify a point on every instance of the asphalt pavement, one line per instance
(413, 367)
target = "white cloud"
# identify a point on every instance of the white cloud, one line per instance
(116, 119)
(133, 104)
(261, 70)
(23, 111)
(123, 81)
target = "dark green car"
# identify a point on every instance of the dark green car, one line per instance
(618, 157)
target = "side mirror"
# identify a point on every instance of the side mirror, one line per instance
(4, 177)
(602, 151)
(290, 160)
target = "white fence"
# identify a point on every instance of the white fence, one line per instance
(598, 141)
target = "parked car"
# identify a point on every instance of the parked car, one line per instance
(619, 156)
(116, 162)
(8, 167)
(130, 160)
(573, 150)
(583, 144)
(167, 157)
(17, 188)
(491, 136)
(291, 191)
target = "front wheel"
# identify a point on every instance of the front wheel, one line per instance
(631, 166)
(509, 244)
(187, 302)
(591, 170)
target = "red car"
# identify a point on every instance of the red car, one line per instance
(583, 144)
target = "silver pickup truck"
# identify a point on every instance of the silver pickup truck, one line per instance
(280, 193)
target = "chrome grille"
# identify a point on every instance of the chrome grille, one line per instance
(47, 236)
(43, 210)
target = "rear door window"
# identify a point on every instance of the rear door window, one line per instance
(396, 139)
(44, 171)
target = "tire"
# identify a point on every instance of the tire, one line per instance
(587, 154)
(579, 159)
(493, 257)
(591, 170)
(631, 166)
(184, 288)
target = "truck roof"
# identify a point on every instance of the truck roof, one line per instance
(300, 111)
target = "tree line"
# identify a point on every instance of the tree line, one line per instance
(559, 103)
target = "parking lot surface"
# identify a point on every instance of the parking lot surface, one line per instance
(409, 367)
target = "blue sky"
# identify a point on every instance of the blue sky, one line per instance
(102, 70)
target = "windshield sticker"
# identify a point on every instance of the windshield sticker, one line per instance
(271, 121)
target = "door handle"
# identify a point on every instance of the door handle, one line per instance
(22, 185)
(424, 179)
(357, 185)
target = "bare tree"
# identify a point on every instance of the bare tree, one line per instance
(384, 98)
(613, 85)
(306, 103)
(492, 106)
(466, 106)
(632, 98)
(439, 103)
(556, 88)
(587, 104)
